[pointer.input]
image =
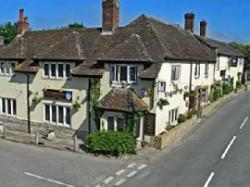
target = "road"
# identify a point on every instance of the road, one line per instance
(216, 155)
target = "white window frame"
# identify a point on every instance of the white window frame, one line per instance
(197, 70)
(206, 72)
(116, 117)
(173, 114)
(162, 86)
(6, 106)
(56, 70)
(177, 76)
(4, 66)
(64, 124)
(117, 73)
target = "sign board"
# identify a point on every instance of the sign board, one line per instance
(57, 94)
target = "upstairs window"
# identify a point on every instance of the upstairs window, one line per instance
(123, 74)
(197, 70)
(175, 72)
(8, 106)
(206, 70)
(7, 68)
(161, 86)
(54, 70)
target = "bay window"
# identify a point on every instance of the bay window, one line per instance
(57, 115)
(123, 74)
(116, 123)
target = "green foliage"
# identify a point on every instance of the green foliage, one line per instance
(245, 49)
(227, 88)
(111, 143)
(131, 119)
(36, 100)
(76, 26)
(238, 85)
(8, 31)
(162, 102)
(76, 105)
(217, 93)
(243, 80)
(182, 118)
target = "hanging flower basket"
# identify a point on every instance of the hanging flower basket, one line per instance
(162, 102)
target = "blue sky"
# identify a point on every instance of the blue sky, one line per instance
(227, 19)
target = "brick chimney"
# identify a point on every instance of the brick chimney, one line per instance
(203, 28)
(189, 21)
(111, 15)
(23, 24)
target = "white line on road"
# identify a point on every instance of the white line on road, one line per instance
(141, 167)
(209, 179)
(133, 173)
(244, 123)
(108, 180)
(120, 172)
(48, 180)
(228, 148)
(131, 165)
(120, 182)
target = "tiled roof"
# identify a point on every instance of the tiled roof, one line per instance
(222, 47)
(122, 100)
(144, 40)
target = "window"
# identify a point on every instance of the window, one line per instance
(56, 70)
(175, 72)
(8, 106)
(197, 70)
(123, 74)
(162, 86)
(116, 123)
(7, 68)
(206, 70)
(173, 116)
(58, 115)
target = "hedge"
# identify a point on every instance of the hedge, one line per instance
(111, 143)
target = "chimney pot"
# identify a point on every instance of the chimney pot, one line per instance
(203, 28)
(23, 24)
(111, 15)
(189, 21)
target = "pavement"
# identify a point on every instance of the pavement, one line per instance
(216, 154)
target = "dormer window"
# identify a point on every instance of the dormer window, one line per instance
(124, 74)
(7, 68)
(56, 70)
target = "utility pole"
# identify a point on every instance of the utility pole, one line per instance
(28, 102)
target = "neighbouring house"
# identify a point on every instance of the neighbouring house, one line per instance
(111, 78)
(230, 62)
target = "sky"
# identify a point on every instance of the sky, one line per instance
(228, 20)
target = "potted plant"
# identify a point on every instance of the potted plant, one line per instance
(162, 102)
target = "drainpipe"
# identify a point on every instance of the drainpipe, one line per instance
(190, 83)
(88, 106)
(28, 102)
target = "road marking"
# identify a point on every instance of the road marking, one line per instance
(131, 165)
(142, 166)
(120, 172)
(98, 185)
(244, 123)
(228, 148)
(48, 180)
(209, 179)
(120, 182)
(108, 180)
(133, 173)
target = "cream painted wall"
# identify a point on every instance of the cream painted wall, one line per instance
(15, 87)
(222, 64)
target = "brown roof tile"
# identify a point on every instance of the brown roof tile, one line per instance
(122, 100)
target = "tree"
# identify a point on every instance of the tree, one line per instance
(8, 31)
(76, 26)
(245, 49)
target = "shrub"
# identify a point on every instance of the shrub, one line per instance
(111, 143)
(226, 88)
(182, 118)
(217, 93)
(238, 85)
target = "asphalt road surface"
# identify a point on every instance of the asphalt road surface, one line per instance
(216, 155)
